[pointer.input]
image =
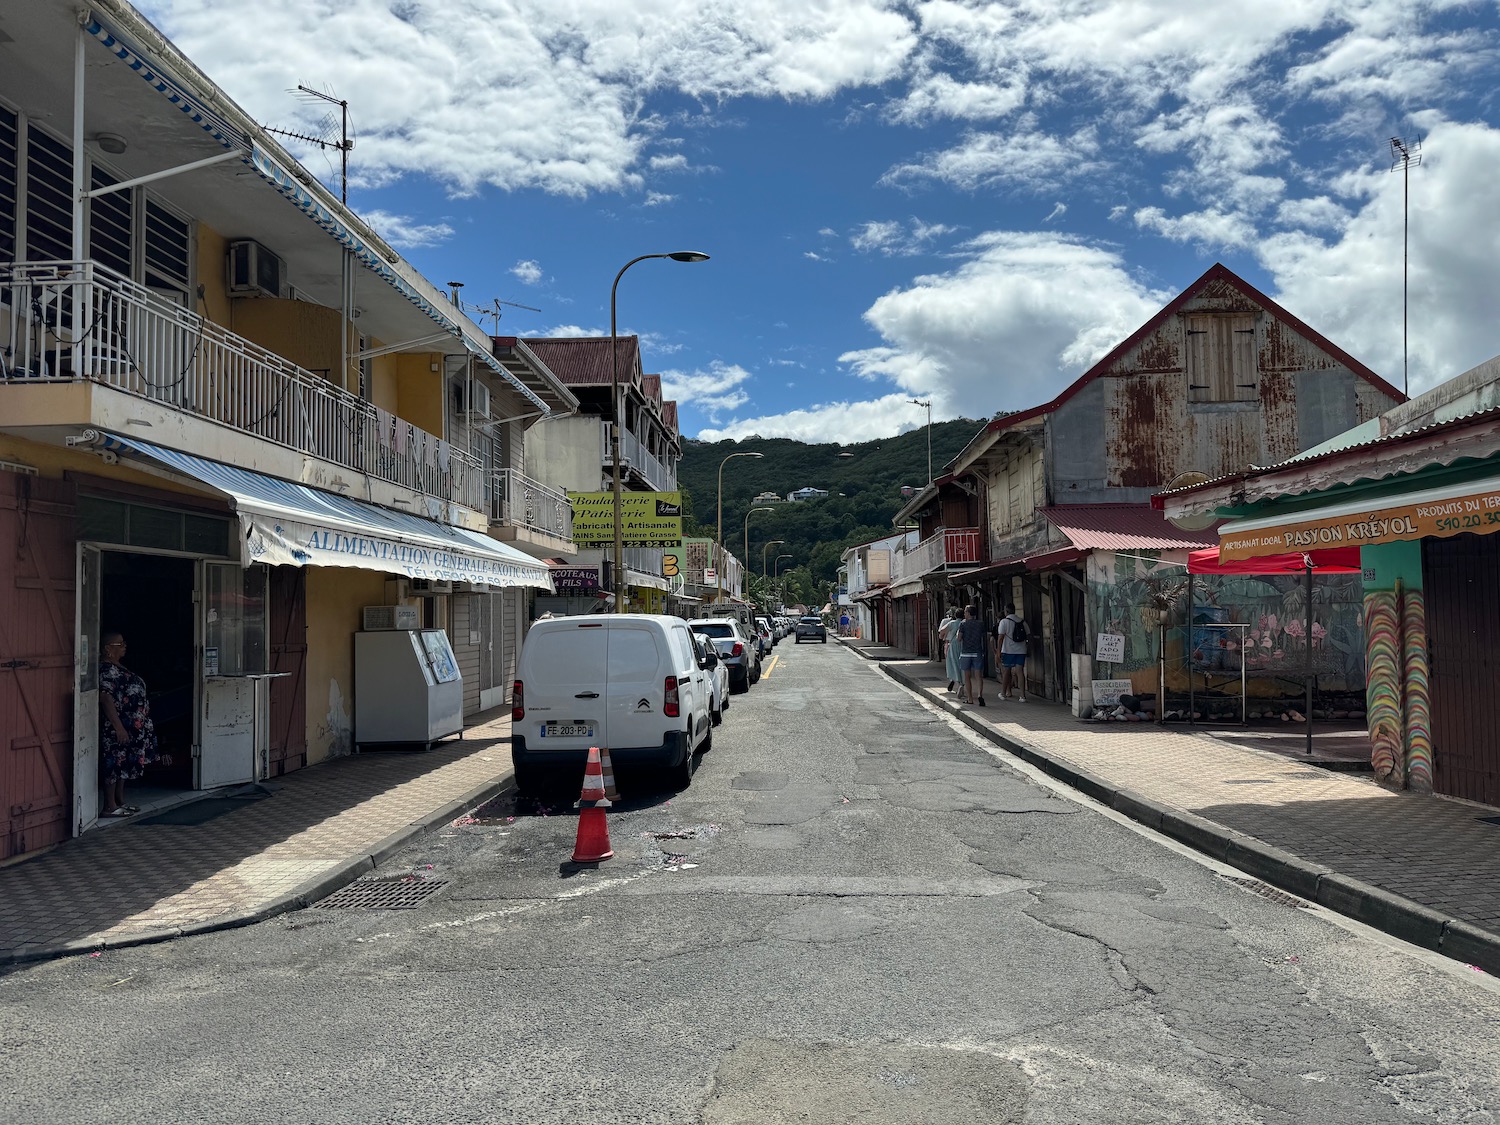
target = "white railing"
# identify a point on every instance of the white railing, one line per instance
(920, 559)
(518, 500)
(135, 341)
(957, 546)
(633, 455)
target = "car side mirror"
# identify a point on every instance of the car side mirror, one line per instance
(708, 660)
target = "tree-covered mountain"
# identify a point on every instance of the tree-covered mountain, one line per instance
(863, 480)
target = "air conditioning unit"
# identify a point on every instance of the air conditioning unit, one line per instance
(254, 271)
(426, 587)
(391, 617)
(472, 398)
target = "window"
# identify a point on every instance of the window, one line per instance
(102, 520)
(49, 198)
(1219, 353)
(10, 151)
(110, 220)
(168, 245)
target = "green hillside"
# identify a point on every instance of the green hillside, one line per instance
(865, 492)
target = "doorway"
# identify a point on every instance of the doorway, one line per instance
(149, 600)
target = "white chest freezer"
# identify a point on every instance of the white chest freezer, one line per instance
(407, 688)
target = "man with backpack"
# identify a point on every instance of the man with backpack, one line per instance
(1013, 635)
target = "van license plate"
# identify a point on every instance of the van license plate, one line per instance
(554, 729)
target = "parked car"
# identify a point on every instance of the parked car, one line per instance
(812, 629)
(718, 677)
(763, 636)
(737, 652)
(634, 682)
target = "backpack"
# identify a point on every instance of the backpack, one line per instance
(1018, 631)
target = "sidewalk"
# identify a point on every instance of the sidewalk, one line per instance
(1423, 868)
(130, 882)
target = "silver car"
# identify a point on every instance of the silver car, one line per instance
(739, 655)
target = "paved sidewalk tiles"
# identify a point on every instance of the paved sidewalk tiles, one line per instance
(1420, 866)
(323, 827)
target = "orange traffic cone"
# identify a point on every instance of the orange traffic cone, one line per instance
(609, 774)
(592, 843)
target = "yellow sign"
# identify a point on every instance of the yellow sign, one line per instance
(1478, 512)
(671, 564)
(647, 519)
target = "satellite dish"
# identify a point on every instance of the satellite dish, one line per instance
(1195, 522)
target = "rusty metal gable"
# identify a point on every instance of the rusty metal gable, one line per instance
(1284, 349)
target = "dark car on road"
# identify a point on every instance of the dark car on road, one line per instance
(811, 629)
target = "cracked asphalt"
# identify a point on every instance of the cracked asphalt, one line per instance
(857, 913)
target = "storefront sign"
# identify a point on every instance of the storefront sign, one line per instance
(1478, 513)
(647, 519)
(576, 581)
(1107, 692)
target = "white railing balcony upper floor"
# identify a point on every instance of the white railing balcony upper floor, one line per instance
(660, 475)
(518, 500)
(134, 341)
(956, 546)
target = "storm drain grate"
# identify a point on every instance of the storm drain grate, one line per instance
(383, 894)
(1266, 891)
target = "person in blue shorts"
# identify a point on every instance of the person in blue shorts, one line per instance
(971, 647)
(1012, 634)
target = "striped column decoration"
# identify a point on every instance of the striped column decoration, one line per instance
(1383, 692)
(1417, 699)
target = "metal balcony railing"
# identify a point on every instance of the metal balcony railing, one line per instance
(633, 455)
(132, 339)
(518, 500)
(949, 546)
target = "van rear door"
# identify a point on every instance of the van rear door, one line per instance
(564, 667)
(638, 667)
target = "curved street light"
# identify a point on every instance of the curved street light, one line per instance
(617, 580)
(748, 514)
(928, 404)
(763, 550)
(779, 593)
(720, 570)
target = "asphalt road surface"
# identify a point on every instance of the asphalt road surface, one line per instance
(857, 913)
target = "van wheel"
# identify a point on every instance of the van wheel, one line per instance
(716, 717)
(708, 741)
(682, 776)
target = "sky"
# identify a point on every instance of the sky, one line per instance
(962, 202)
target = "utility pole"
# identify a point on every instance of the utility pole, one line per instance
(1405, 156)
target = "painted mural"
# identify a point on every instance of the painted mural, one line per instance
(1268, 614)
(1397, 689)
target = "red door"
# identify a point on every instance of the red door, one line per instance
(37, 569)
(288, 629)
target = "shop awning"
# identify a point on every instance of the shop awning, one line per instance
(1123, 527)
(1336, 560)
(288, 524)
(1454, 509)
(904, 589)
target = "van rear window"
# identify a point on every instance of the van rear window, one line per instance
(564, 656)
(633, 656)
(722, 632)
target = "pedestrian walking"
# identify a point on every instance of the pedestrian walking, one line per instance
(948, 637)
(971, 647)
(1013, 635)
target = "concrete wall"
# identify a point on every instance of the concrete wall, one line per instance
(1385, 564)
(335, 596)
(566, 453)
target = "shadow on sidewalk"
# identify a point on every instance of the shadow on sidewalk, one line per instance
(124, 877)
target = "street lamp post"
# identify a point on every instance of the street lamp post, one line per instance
(617, 580)
(748, 514)
(720, 570)
(763, 550)
(928, 404)
(779, 593)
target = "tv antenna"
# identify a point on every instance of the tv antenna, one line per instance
(324, 138)
(1405, 155)
(493, 309)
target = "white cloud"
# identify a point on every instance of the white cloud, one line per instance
(1212, 230)
(1350, 289)
(1057, 212)
(814, 256)
(713, 391)
(527, 271)
(896, 239)
(832, 421)
(404, 232)
(657, 198)
(1031, 159)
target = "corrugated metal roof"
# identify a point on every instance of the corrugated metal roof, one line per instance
(651, 387)
(586, 361)
(1112, 527)
(669, 414)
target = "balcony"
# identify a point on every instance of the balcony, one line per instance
(531, 508)
(950, 546)
(138, 343)
(658, 475)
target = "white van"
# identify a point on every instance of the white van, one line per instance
(632, 682)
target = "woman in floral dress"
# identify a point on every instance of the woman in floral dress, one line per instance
(127, 738)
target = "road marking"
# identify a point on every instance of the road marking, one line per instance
(766, 671)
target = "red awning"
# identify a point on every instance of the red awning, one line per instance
(1123, 527)
(1334, 560)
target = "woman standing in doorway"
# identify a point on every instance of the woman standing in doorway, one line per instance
(127, 738)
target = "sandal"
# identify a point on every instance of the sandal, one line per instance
(122, 811)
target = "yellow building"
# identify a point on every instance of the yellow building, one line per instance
(231, 418)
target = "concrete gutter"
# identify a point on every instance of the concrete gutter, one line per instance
(1374, 906)
(314, 890)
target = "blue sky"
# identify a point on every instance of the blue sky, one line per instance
(949, 199)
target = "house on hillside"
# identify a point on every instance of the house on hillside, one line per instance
(803, 494)
(768, 497)
(1049, 507)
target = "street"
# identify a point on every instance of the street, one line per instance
(857, 912)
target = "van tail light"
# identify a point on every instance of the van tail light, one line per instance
(670, 704)
(517, 702)
(737, 650)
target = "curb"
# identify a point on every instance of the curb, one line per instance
(1364, 902)
(313, 890)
